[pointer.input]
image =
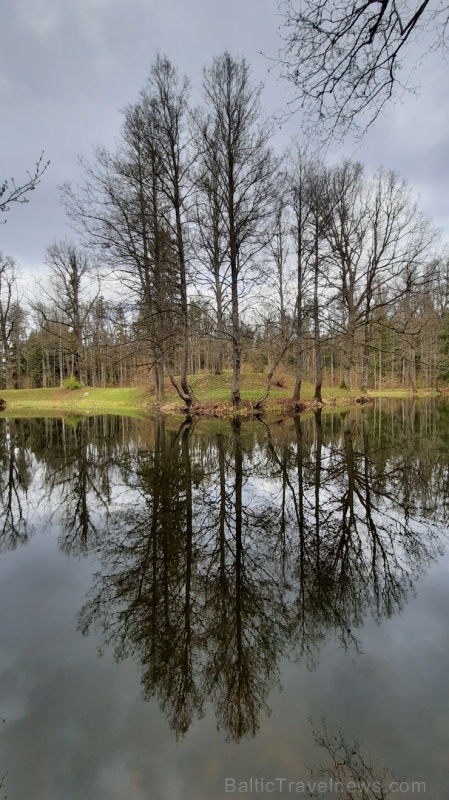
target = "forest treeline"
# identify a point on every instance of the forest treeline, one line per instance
(200, 248)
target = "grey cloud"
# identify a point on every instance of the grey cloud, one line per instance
(68, 66)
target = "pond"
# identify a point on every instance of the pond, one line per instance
(225, 609)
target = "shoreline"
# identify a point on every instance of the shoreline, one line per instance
(89, 401)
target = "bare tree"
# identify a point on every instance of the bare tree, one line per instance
(246, 172)
(70, 298)
(167, 95)
(318, 202)
(118, 210)
(279, 251)
(344, 58)
(298, 170)
(11, 192)
(347, 234)
(132, 206)
(210, 242)
(402, 242)
(8, 315)
(379, 248)
(276, 312)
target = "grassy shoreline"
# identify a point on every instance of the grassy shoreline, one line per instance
(87, 400)
(211, 391)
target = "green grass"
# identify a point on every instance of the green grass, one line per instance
(86, 400)
(212, 389)
(218, 388)
(402, 393)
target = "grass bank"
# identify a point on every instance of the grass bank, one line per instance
(88, 401)
(211, 391)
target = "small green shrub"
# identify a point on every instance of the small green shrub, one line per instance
(71, 383)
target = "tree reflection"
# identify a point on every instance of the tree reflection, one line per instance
(237, 548)
(223, 549)
(79, 458)
(65, 467)
(350, 771)
(185, 589)
(146, 601)
(246, 613)
(362, 539)
(15, 478)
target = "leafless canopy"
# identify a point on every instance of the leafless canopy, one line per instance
(11, 192)
(344, 58)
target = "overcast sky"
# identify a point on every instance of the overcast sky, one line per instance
(67, 67)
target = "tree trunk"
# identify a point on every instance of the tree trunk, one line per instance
(236, 343)
(316, 320)
(366, 353)
(298, 380)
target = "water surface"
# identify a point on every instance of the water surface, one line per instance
(180, 601)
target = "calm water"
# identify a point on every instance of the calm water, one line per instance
(185, 609)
